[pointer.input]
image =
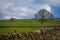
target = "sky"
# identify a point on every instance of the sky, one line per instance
(25, 9)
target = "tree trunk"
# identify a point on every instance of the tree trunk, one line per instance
(42, 19)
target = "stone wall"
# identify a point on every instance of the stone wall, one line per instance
(49, 33)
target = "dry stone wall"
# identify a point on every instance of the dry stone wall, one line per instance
(49, 33)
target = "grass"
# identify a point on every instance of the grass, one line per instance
(21, 30)
(30, 23)
(24, 25)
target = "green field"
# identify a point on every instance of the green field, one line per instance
(28, 23)
(21, 30)
(25, 25)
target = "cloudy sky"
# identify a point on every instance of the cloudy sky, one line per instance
(24, 9)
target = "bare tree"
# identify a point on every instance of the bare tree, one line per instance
(43, 14)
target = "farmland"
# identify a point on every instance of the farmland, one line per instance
(28, 23)
(21, 30)
(6, 26)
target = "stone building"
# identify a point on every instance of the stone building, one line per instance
(13, 19)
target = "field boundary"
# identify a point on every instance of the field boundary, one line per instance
(25, 26)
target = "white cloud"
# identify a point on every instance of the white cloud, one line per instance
(53, 2)
(25, 8)
(19, 9)
(7, 17)
(47, 7)
(4, 5)
(16, 17)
